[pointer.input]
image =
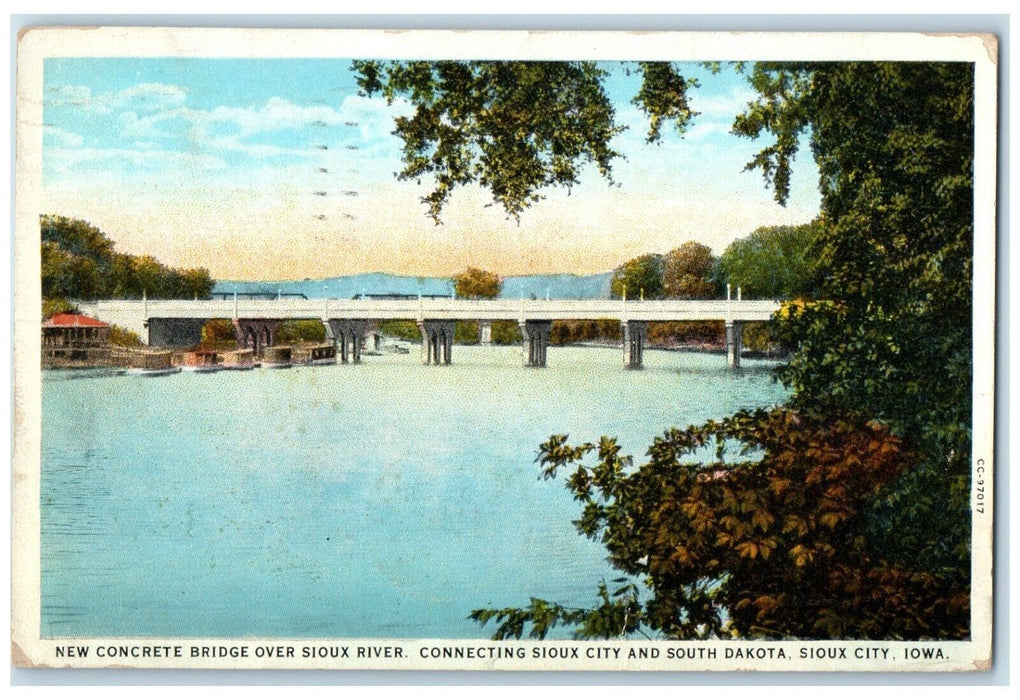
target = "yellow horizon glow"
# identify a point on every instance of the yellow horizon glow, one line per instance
(275, 240)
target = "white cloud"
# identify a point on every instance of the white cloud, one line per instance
(67, 96)
(138, 159)
(62, 138)
(150, 126)
(144, 97)
(725, 106)
(373, 115)
(149, 97)
(276, 115)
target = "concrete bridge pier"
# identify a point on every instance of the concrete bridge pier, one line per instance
(436, 341)
(634, 335)
(485, 332)
(256, 334)
(174, 332)
(347, 335)
(734, 342)
(536, 341)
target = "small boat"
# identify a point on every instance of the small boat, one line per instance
(398, 348)
(154, 372)
(203, 361)
(238, 360)
(148, 363)
(324, 354)
(277, 357)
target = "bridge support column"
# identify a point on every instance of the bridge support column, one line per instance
(436, 341)
(256, 334)
(348, 336)
(734, 342)
(634, 335)
(175, 332)
(485, 332)
(536, 342)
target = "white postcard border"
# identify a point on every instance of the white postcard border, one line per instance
(29, 649)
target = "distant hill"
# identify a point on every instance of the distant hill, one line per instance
(554, 286)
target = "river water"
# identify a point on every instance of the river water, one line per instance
(387, 499)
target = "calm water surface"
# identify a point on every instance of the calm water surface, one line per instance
(382, 500)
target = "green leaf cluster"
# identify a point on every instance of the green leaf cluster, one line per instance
(763, 541)
(894, 145)
(307, 331)
(774, 262)
(640, 277)
(513, 127)
(474, 283)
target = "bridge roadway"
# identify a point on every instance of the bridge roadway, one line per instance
(178, 323)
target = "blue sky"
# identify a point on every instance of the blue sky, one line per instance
(278, 169)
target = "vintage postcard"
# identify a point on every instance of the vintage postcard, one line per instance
(650, 351)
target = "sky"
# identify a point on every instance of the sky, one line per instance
(276, 169)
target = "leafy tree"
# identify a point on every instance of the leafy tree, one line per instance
(301, 332)
(512, 127)
(52, 307)
(767, 546)
(79, 262)
(603, 329)
(218, 332)
(125, 338)
(894, 147)
(506, 333)
(477, 284)
(687, 272)
(466, 332)
(774, 262)
(404, 330)
(641, 276)
(698, 333)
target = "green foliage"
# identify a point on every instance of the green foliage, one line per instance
(641, 276)
(466, 332)
(673, 333)
(218, 332)
(404, 330)
(873, 540)
(617, 615)
(758, 337)
(512, 127)
(477, 284)
(124, 337)
(506, 333)
(79, 262)
(894, 146)
(307, 331)
(600, 330)
(687, 272)
(849, 516)
(774, 262)
(765, 540)
(663, 97)
(52, 307)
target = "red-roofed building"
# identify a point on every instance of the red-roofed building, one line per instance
(75, 340)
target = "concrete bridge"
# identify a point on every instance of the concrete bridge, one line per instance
(178, 323)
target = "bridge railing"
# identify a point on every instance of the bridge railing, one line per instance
(454, 309)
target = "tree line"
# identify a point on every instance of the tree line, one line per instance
(79, 263)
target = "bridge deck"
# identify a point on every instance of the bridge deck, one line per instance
(116, 311)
